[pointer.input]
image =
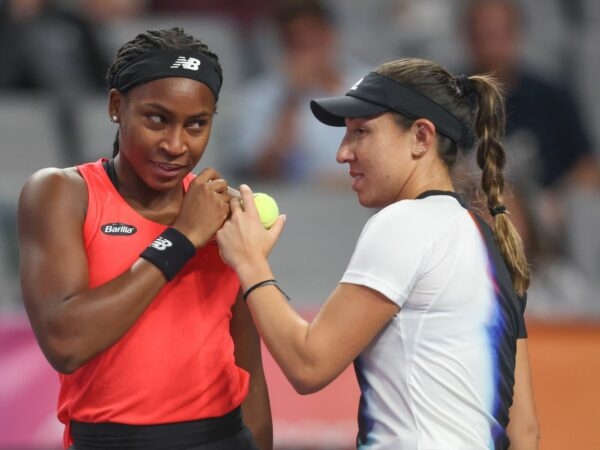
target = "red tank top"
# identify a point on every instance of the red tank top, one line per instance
(176, 363)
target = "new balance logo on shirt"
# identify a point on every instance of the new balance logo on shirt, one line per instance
(160, 243)
(186, 63)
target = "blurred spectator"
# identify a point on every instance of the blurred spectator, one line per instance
(242, 14)
(422, 27)
(274, 135)
(105, 10)
(546, 111)
(50, 49)
(47, 47)
(243, 11)
(551, 156)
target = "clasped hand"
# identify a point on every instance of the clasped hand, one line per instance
(243, 240)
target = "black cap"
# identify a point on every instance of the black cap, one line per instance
(376, 93)
(334, 110)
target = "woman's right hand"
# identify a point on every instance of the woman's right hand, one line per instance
(205, 207)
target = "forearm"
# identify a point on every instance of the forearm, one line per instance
(523, 428)
(285, 333)
(308, 354)
(256, 407)
(524, 436)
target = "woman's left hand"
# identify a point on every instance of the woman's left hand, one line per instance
(243, 240)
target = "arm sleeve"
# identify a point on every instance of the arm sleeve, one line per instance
(388, 257)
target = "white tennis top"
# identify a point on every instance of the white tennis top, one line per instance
(440, 375)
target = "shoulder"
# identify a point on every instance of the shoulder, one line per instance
(415, 227)
(54, 178)
(392, 229)
(51, 186)
(418, 217)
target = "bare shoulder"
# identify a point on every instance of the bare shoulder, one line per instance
(53, 175)
(53, 189)
(46, 182)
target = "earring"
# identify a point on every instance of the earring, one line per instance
(420, 150)
(114, 118)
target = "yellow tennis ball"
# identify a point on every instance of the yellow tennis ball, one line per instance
(267, 209)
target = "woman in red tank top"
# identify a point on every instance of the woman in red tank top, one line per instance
(123, 281)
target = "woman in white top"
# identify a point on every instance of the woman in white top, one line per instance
(430, 308)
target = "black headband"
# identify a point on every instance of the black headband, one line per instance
(376, 93)
(170, 62)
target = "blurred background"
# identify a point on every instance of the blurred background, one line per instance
(276, 56)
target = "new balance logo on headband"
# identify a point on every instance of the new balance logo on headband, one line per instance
(186, 63)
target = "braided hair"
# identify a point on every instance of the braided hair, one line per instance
(477, 101)
(149, 41)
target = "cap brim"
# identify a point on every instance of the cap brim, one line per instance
(334, 110)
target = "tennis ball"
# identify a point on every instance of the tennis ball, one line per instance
(267, 209)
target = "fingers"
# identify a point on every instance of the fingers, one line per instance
(277, 227)
(212, 178)
(248, 200)
(235, 205)
(245, 192)
(233, 193)
(208, 174)
(219, 185)
(243, 203)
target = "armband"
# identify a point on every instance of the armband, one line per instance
(170, 251)
(265, 283)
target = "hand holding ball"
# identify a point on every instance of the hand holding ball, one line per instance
(266, 206)
(252, 230)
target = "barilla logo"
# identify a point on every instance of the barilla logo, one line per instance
(118, 229)
(186, 63)
(160, 243)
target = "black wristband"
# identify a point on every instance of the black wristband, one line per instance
(271, 282)
(169, 252)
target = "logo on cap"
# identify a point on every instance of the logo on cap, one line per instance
(355, 87)
(186, 63)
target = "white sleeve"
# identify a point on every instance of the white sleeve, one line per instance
(389, 255)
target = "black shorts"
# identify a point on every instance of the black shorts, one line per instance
(221, 433)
